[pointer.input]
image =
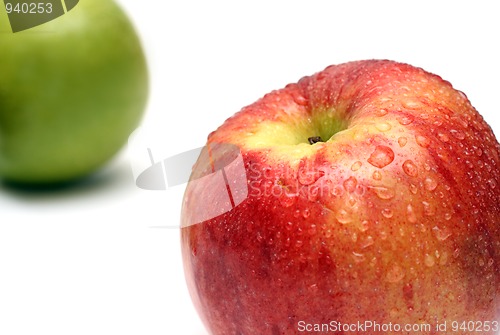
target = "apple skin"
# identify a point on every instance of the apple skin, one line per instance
(71, 92)
(393, 219)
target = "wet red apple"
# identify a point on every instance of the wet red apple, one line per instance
(372, 194)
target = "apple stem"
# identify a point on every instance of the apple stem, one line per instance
(314, 139)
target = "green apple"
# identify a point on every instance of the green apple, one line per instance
(71, 92)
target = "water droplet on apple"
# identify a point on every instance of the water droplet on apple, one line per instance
(410, 168)
(430, 184)
(358, 257)
(443, 137)
(287, 200)
(412, 218)
(481, 262)
(395, 274)
(384, 193)
(423, 228)
(443, 155)
(411, 104)
(447, 216)
(463, 122)
(383, 235)
(354, 237)
(393, 313)
(328, 233)
(444, 258)
(299, 243)
(306, 213)
(402, 232)
(413, 189)
(457, 134)
(350, 184)
(356, 165)
(402, 141)
(461, 95)
(250, 226)
(438, 122)
(441, 233)
(428, 209)
(405, 119)
(306, 176)
(377, 175)
(299, 99)
(312, 229)
(364, 225)
(387, 212)
(289, 225)
(383, 127)
(381, 112)
(313, 287)
(381, 156)
(429, 260)
(492, 183)
(343, 217)
(320, 76)
(367, 242)
(423, 141)
(338, 191)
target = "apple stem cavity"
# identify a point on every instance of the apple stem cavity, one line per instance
(314, 139)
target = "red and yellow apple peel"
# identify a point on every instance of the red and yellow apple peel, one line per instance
(391, 215)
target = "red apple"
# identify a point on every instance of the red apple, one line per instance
(389, 222)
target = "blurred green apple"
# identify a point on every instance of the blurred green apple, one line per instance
(71, 92)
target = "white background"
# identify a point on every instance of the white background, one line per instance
(89, 260)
